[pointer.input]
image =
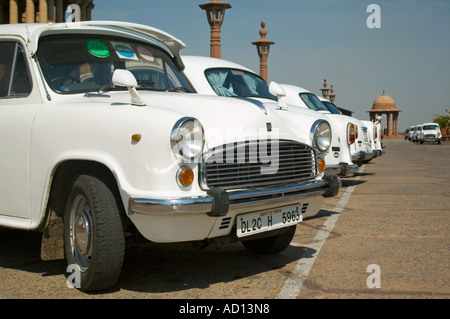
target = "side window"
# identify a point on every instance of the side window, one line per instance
(14, 76)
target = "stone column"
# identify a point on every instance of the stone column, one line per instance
(388, 115)
(30, 11)
(395, 124)
(263, 48)
(59, 11)
(51, 10)
(43, 11)
(90, 6)
(13, 11)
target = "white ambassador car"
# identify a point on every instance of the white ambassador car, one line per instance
(344, 130)
(430, 133)
(374, 137)
(377, 133)
(102, 143)
(361, 150)
(229, 79)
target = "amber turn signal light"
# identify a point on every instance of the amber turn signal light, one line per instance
(321, 165)
(185, 176)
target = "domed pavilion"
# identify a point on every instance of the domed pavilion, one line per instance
(384, 104)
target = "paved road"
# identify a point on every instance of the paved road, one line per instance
(384, 236)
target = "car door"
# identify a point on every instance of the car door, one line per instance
(17, 109)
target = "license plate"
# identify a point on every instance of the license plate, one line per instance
(258, 222)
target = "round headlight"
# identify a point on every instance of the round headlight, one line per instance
(187, 138)
(321, 135)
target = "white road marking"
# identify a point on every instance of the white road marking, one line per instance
(294, 283)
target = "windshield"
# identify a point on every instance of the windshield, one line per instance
(233, 82)
(312, 102)
(331, 107)
(85, 63)
(430, 127)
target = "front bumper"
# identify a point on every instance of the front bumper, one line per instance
(215, 215)
(358, 157)
(342, 169)
(218, 203)
(369, 155)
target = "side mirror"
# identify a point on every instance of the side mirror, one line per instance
(278, 91)
(126, 78)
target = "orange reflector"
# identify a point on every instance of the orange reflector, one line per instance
(321, 165)
(185, 176)
(136, 137)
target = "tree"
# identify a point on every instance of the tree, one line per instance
(442, 120)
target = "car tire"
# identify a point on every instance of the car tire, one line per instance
(271, 245)
(94, 239)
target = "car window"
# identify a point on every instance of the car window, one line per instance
(234, 82)
(312, 102)
(82, 63)
(331, 107)
(430, 127)
(14, 76)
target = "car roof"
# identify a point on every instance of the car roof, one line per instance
(31, 33)
(194, 61)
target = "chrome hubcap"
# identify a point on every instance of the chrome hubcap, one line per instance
(81, 232)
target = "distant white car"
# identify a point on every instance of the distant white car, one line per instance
(430, 133)
(411, 132)
(416, 133)
(379, 148)
(229, 79)
(103, 140)
(370, 131)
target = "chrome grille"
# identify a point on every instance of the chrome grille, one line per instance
(253, 164)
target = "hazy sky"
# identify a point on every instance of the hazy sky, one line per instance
(408, 56)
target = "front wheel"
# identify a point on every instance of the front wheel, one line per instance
(94, 239)
(271, 245)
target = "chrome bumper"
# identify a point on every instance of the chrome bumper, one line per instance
(358, 157)
(218, 203)
(333, 169)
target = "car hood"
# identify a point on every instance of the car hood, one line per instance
(224, 119)
(299, 119)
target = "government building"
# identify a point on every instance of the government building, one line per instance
(44, 11)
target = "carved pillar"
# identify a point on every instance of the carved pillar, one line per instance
(215, 12)
(263, 48)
